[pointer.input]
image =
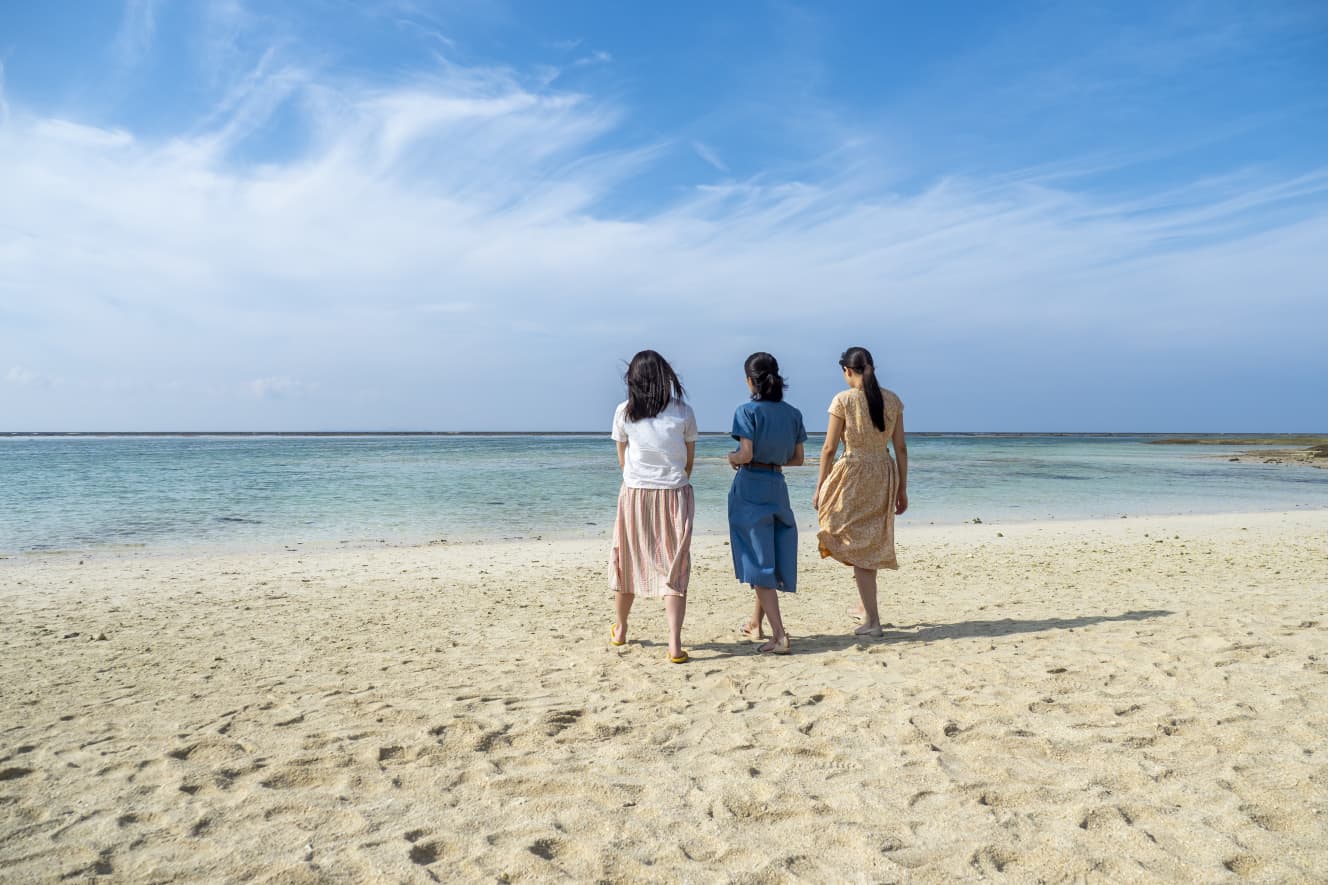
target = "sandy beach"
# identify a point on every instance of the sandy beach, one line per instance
(1127, 699)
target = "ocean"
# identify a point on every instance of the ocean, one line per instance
(255, 492)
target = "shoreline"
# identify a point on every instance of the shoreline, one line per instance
(457, 542)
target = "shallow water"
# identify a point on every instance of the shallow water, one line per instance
(89, 492)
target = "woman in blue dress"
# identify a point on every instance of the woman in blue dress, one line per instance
(762, 531)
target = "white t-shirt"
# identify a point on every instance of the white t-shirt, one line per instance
(656, 455)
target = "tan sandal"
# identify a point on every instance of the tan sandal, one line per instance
(776, 647)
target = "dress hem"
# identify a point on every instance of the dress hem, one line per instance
(826, 553)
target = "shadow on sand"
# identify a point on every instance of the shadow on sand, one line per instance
(927, 633)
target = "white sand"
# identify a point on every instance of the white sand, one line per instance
(1141, 699)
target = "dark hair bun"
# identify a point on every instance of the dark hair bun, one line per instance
(763, 369)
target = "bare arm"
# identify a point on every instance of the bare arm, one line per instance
(798, 459)
(742, 455)
(833, 435)
(901, 459)
(691, 458)
(622, 453)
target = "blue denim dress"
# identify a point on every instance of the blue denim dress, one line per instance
(763, 533)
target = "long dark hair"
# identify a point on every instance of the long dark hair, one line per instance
(651, 385)
(763, 369)
(859, 359)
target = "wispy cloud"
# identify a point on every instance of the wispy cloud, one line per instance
(25, 377)
(138, 26)
(78, 135)
(448, 307)
(707, 153)
(598, 57)
(279, 387)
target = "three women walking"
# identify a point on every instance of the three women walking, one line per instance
(857, 495)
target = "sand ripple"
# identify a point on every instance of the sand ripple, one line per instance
(1142, 700)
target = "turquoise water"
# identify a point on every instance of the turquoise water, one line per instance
(61, 493)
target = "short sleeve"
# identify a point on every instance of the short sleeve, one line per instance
(802, 429)
(689, 432)
(619, 431)
(744, 426)
(837, 406)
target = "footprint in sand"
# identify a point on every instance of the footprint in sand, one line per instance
(992, 859)
(1243, 864)
(1106, 816)
(100, 867)
(423, 853)
(1268, 819)
(545, 848)
(558, 722)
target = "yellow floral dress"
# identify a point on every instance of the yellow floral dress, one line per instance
(857, 511)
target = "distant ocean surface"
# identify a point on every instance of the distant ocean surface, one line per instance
(77, 493)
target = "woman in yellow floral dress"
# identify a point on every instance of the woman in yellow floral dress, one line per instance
(858, 495)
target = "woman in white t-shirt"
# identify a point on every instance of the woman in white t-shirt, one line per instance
(652, 535)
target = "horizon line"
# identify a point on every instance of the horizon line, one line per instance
(336, 433)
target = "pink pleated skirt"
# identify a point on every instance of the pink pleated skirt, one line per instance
(652, 542)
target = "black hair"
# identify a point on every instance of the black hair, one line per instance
(859, 359)
(651, 385)
(763, 369)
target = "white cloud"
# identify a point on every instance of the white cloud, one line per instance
(279, 388)
(79, 135)
(25, 377)
(425, 226)
(137, 29)
(598, 57)
(707, 153)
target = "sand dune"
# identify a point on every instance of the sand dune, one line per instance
(1141, 699)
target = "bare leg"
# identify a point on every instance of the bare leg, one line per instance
(623, 603)
(675, 608)
(871, 619)
(754, 625)
(768, 600)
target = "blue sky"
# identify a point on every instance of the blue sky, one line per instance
(461, 216)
